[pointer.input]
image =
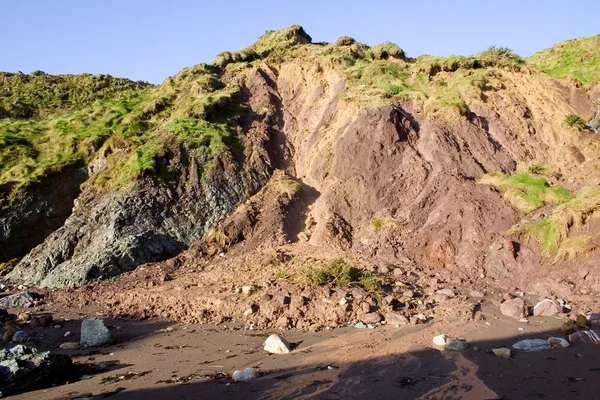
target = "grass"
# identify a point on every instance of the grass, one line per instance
(376, 224)
(576, 122)
(525, 192)
(336, 273)
(40, 95)
(31, 149)
(288, 186)
(552, 233)
(577, 59)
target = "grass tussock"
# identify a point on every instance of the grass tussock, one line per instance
(572, 248)
(336, 273)
(288, 186)
(552, 233)
(525, 192)
(376, 224)
(576, 122)
(217, 237)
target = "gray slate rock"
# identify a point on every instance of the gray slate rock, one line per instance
(23, 368)
(16, 300)
(123, 229)
(20, 337)
(94, 332)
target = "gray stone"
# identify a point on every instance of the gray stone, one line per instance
(22, 369)
(245, 375)
(94, 332)
(514, 308)
(456, 345)
(360, 325)
(276, 344)
(20, 337)
(16, 300)
(529, 345)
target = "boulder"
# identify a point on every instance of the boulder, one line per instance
(514, 308)
(17, 300)
(94, 332)
(276, 344)
(592, 336)
(23, 369)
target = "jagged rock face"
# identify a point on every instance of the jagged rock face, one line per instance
(41, 209)
(116, 232)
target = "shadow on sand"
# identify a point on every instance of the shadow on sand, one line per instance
(475, 373)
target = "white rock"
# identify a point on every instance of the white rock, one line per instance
(532, 345)
(440, 340)
(342, 301)
(247, 289)
(248, 312)
(245, 375)
(277, 345)
(67, 334)
(558, 343)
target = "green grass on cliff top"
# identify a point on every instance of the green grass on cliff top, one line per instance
(577, 58)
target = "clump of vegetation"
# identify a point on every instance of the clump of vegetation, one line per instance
(576, 122)
(577, 59)
(288, 186)
(336, 273)
(344, 41)
(572, 248)
(377, 223)
(385, 51)
(553, 231)
(537, 170)
(526, 193)
(268, 43)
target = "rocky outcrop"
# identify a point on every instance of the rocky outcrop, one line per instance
(38, 211)
(118, 231)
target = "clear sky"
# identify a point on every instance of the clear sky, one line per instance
(151, 39)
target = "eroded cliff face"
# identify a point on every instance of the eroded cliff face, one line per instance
(385, 179)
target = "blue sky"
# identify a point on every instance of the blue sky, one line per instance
(151, 40)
